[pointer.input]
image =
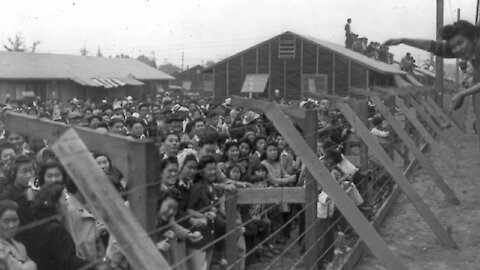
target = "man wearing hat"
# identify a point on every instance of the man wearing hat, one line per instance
(74, 118)
(175, 123)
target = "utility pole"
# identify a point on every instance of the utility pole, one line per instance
(457, 73)
(438, 59)
(183, 55)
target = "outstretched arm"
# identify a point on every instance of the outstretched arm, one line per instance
(423, 44)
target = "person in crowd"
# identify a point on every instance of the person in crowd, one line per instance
(115, 175)
(260, 226)
(203, 198)
(87, 232)
(7, 155)
(170, 145)
(277, 177)
(116, 126)
(348, 34)
(407, 63)
(18, 141)
(20, 174)
(12, 253)
(49, 244)
(459, 40)
(50, 172)
(135, 128)
(169, 233)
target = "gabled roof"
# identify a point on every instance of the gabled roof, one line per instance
(359, 58)
(20, 65)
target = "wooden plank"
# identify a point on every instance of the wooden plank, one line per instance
(270, 195)
(397, 175)
(409, 113)
(422, 159)
(325, 179)
(420, 110)
(231, 251)
(433, 113)
(142, 165)
(112, 145)
(476, 109)
(108, 205)
(309, 127)
(260, 105)
(442, 113)
(351, 260)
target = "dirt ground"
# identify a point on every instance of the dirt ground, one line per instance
(409, 236)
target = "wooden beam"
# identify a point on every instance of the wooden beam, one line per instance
(261, 105)
(310, 131)
(270, 195)
(107, 204)
(231, 250)
(352, 258)
(325, 179)
(410, 115)
(440, 111)
(422, 159)
(142, 168)
(112, 145)
(420, 110)
(362, 131)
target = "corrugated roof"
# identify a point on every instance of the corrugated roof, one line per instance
(361, 59)
(18, 65)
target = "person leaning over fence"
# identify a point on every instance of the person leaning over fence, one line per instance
(169, 233)
(459, 40)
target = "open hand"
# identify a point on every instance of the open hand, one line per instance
(163, 245)
(195, 236)
(457, 101)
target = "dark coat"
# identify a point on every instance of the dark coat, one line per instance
(51, 247)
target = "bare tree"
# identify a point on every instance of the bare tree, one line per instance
(17, 44)
(34, 46)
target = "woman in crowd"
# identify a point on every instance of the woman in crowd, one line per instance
(111, 171)
(230, 157)
(12, 252)
(49, 243)
(170, 145)
(50, 172)
(459, 40)
(279, 178)
(203, 198)
(169, 234)
(168, 169)
(7, 155)
(20, 174)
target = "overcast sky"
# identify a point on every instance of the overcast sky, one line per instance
(213, 29)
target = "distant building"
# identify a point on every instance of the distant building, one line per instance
(194, 80)
(63, 77)
(296, 65)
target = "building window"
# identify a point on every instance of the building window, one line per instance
(286, 47)
(315, 83)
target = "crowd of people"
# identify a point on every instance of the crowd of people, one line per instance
(373, 50)
(204, 150)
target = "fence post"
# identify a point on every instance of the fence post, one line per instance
(310, 124)
(232, 237)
